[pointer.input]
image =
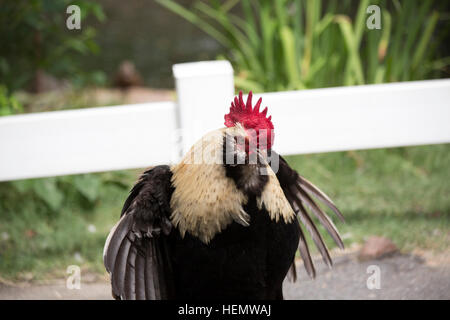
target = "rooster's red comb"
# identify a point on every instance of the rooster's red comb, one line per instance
(249, 117)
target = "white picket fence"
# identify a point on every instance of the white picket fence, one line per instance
(141, 135)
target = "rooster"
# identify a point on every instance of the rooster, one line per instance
(223, 223)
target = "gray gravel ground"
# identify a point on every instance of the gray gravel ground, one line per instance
(58, 291)
(402, 277)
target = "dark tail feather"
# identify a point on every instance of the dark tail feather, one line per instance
(152, 272)
(306, 220)
(114, 241)
(162, 273)
(292, 274)
(130, 274)
(304, 252)
(149, 275)
(321, 195)
(140, 274)
(118, 273)
(322, 216)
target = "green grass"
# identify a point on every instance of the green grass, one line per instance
(401, 193)
(47, 241)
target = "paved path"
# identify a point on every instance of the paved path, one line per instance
(402, 277)
(88, 291)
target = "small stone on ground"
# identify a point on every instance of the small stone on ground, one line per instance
(376, 248)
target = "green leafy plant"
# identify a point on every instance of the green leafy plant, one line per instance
(294, 44)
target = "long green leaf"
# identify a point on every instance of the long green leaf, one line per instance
(194, 19)
(354, 63)
(287, 40)
(424, 40)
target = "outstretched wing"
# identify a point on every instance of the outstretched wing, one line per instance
(300, 194)
(136, 252)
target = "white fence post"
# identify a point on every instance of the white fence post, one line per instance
(204, 90)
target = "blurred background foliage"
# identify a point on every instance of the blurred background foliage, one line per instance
(34, 38)
(402, 193)
(8, 103)
(292, 45)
